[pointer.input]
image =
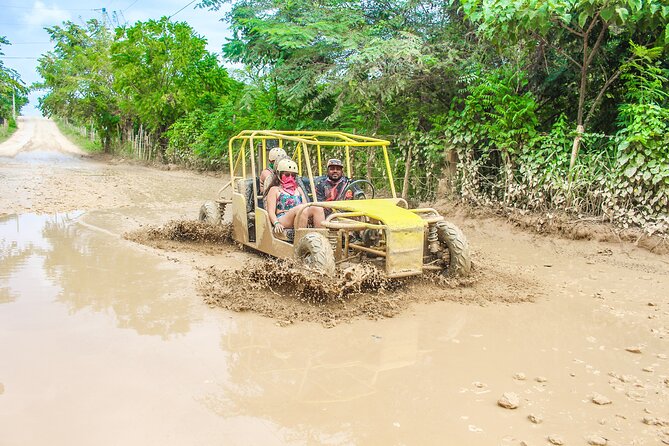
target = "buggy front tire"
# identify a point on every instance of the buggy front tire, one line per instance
(452, 238)
(210, 213)
(315, 252)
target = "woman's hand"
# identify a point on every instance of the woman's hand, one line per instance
(278, 228)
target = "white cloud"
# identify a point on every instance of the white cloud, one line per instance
(43, 15)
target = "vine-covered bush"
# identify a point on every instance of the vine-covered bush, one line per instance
(504, 160)
(639, 194)
(489, 128)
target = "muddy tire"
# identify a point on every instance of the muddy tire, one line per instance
(210, 213)
(315, 251)
(451, 237)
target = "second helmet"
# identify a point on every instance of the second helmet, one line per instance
(286, 165)
(275, 153)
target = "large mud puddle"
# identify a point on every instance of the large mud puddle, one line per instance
(287, 292)
(100, 333)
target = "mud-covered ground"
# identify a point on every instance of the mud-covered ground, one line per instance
(127, 322)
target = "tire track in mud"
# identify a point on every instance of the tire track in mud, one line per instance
(283, 290)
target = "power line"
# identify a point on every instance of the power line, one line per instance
(131, 5)
(172, 15)
(17, 57)
(32, 7)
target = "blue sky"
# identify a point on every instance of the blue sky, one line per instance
(23, 23)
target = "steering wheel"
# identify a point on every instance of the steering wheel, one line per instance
(360, 195)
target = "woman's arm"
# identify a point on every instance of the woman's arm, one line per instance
(271, 204)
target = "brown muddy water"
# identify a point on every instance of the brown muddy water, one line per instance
(107, 341)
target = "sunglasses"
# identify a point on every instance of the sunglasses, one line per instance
(288, 174)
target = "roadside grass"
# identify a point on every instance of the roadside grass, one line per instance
(6, 132)
(73, 134)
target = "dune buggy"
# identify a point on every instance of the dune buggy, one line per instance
(401, 241)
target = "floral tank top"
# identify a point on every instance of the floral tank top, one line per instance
(286, 201)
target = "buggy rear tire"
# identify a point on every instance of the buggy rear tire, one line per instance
(450, 236)
(315, 251)
(210, 213)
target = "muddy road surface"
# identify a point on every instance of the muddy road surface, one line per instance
(107, 341)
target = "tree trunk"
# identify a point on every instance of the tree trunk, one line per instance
(581, 105)
(407, 172)
(447, 184)
(574, 149)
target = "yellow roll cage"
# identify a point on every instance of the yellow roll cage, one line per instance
(305, 142)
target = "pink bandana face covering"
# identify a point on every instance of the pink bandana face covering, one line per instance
(288, 183)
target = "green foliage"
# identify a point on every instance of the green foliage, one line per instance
(10, 84)
(147, 76)
(499, 83)
(78, 77)
(162, 71)
(640, 194)
(581, 35)
(494, 121)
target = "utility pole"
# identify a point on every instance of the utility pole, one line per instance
(14, 103)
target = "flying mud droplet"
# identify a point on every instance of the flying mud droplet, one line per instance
(285, 290)
(288, 278)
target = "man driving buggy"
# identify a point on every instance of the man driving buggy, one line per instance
(331, 187)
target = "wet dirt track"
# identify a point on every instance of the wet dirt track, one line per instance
(105, 341)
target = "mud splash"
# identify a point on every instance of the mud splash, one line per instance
(285, 291)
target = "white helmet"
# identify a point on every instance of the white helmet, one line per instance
(275, 153)
(287, 165)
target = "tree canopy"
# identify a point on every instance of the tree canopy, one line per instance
(11, 88)
(529, 104)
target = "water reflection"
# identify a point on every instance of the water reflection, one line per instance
(93, 271)
(19, 239)
(307, 381)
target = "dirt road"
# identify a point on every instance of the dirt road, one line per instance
(106, 341)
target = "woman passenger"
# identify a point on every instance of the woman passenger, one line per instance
(284, 199)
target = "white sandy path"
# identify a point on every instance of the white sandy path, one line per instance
(38, 134)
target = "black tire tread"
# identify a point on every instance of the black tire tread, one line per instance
(210, 213)
(318, 249)
(451, 236)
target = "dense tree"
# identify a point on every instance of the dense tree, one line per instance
(588, 34)
(12, 91)
(78, 76)
(162, 71)
(148, 75)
